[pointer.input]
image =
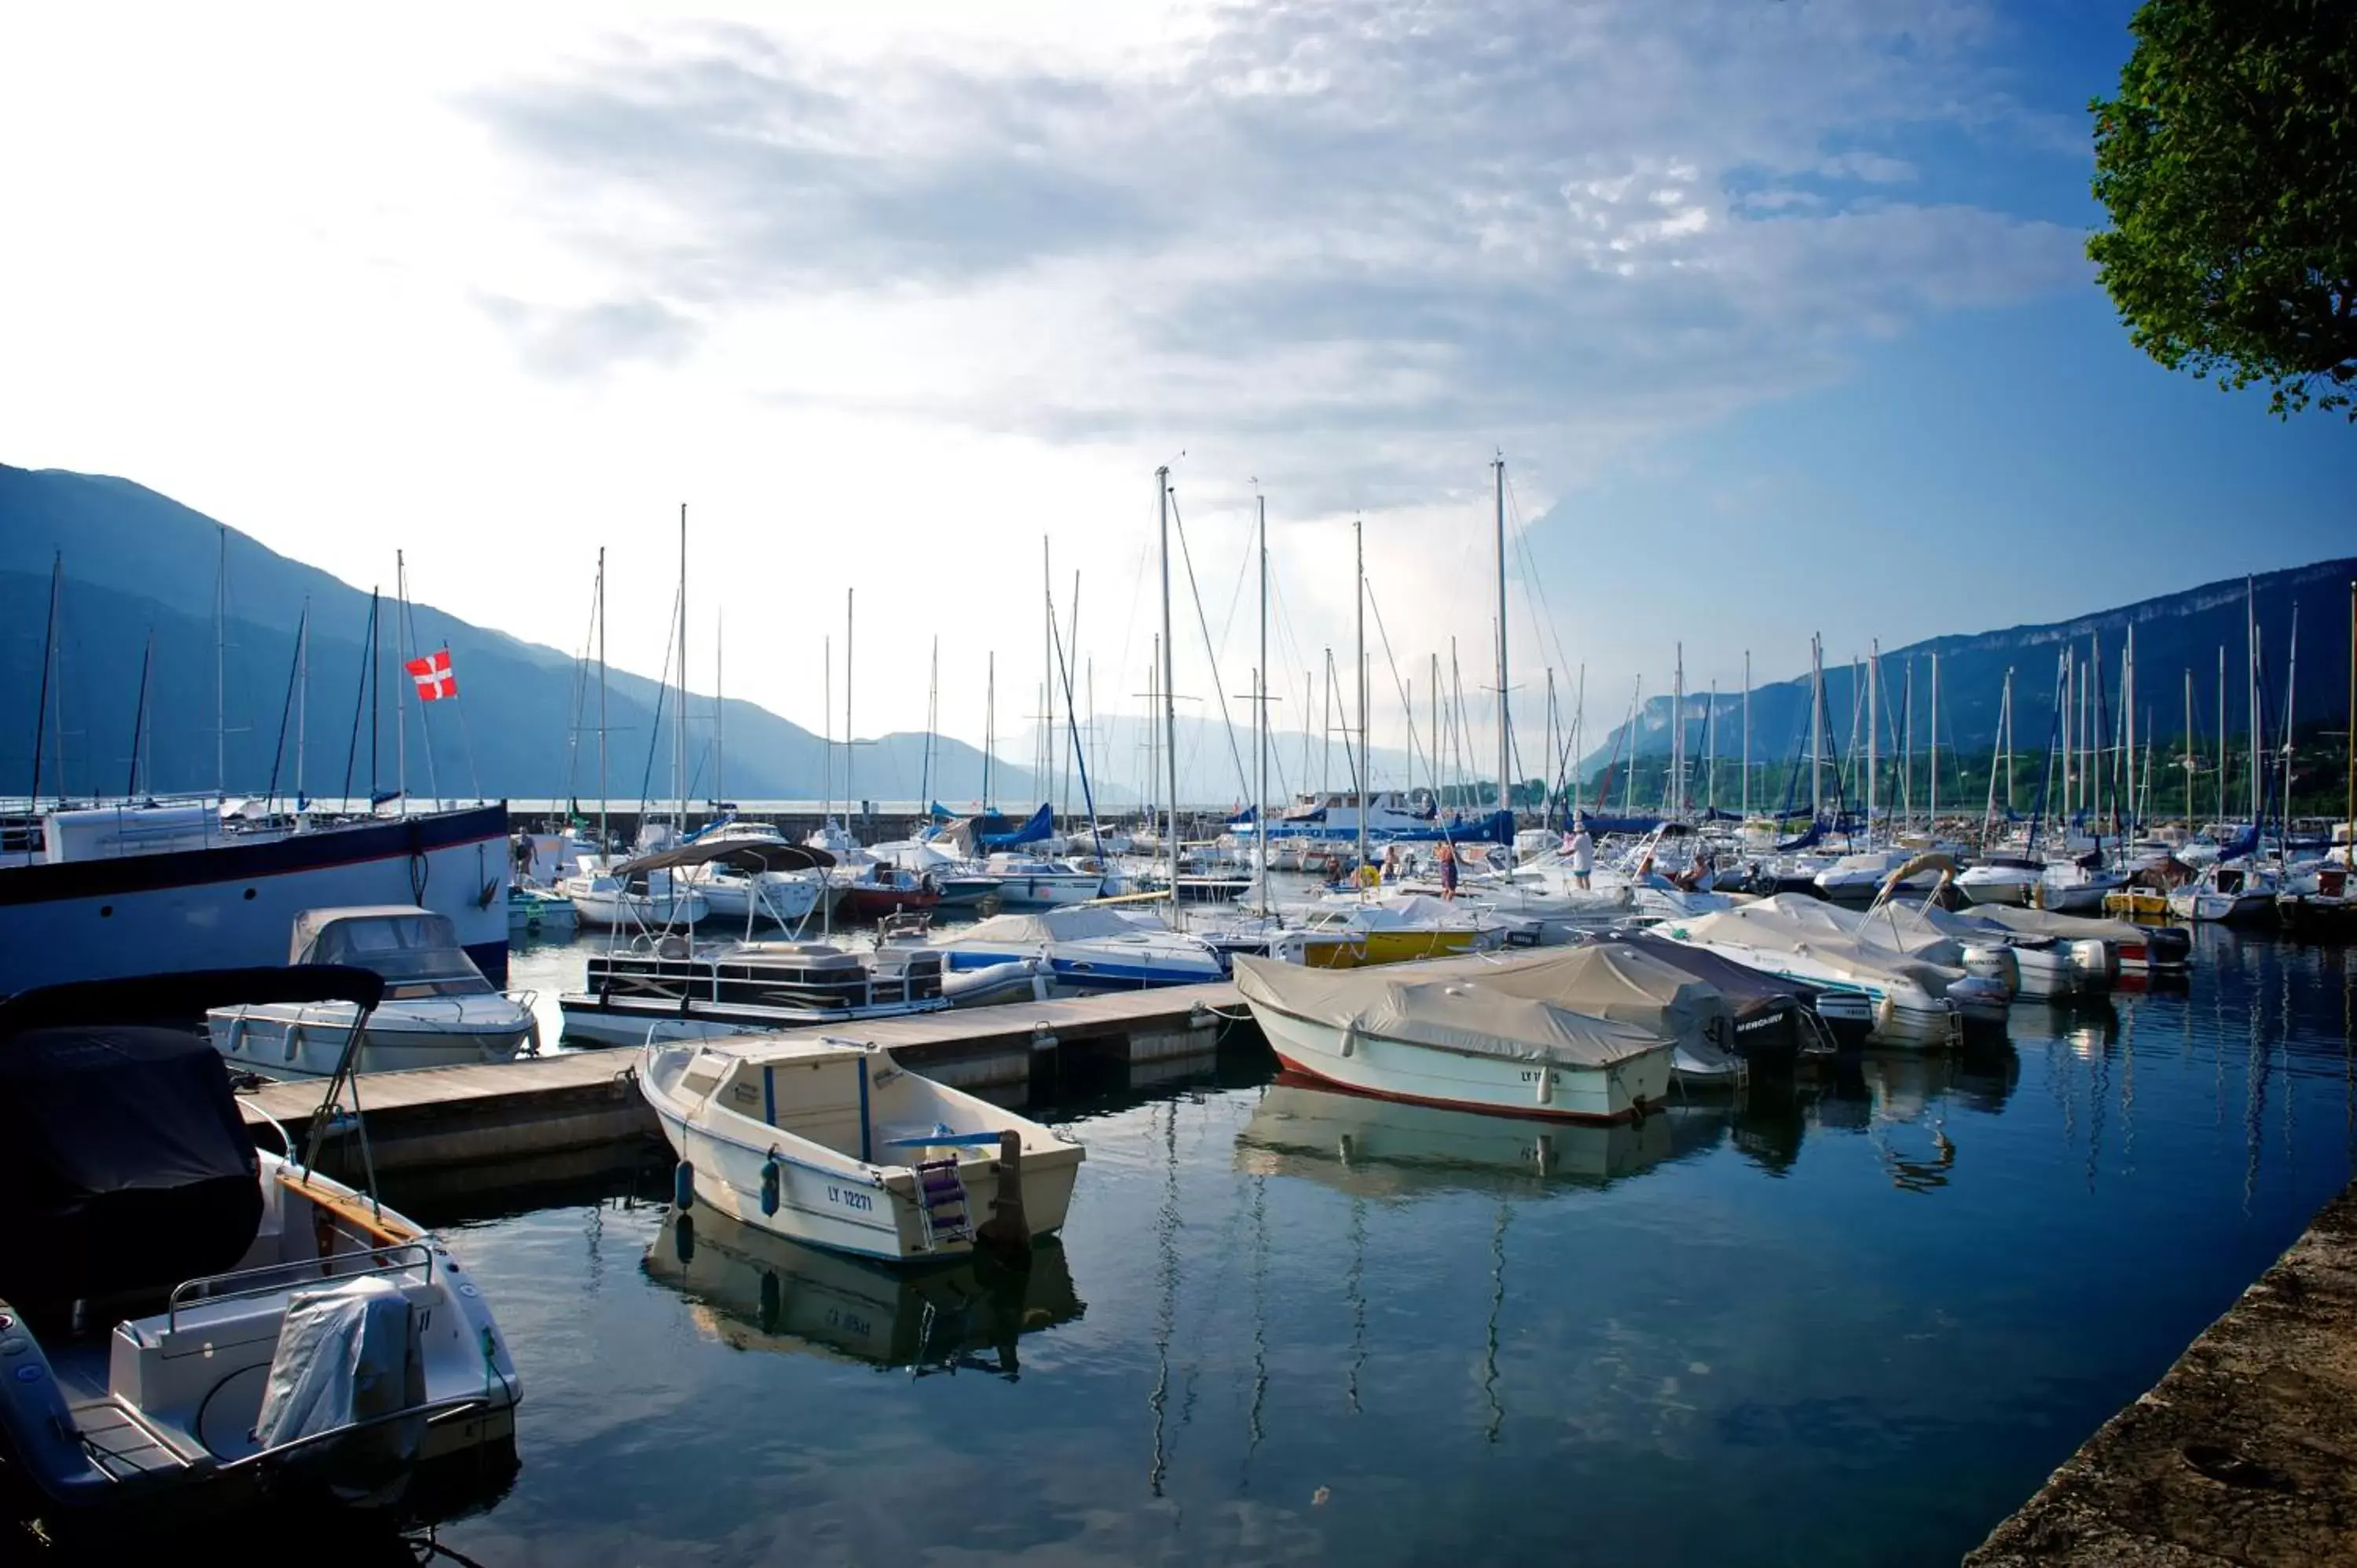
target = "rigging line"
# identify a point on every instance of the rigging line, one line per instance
(580, 701)
(1533, 580)
(662, 690)
(1398, 680)
(1218, 687)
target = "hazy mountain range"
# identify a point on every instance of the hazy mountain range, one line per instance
(138, 564)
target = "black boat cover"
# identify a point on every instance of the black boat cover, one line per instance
(181, 1001)
(123, 1162)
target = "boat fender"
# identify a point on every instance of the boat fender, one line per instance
(770, 1173)
(1546, 1086)
(683, 1186)
(772, 1301)
(1349, 1042)
(683, 1236)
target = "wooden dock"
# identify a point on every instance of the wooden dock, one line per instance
(574, 1100)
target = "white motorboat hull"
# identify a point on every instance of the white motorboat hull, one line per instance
(1045, 892)
(1983, 884)
(826, 1198)
(1394, 1069)
(1901, 1015)
(787, 900)
(636, 1021)
(607, 910)
(306, 1042)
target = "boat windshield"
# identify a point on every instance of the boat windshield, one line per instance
(418, 955)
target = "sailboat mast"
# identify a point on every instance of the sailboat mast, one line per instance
(719, 722)
(1505, 722)
(41, 707)
(2221, 732)
(933, 720)
(2188, 743)
(1747, 735)
(139, 715)
(989, 723)
(1816, 727)
(850, 796)
(1677, 803)
(2349, 850)
(1358, 546)
(604, 826)
(1169, 689)
(679, 720)
(1931, 801)
(1873, 730)
(2008, 738)
(302, 688)
(2250, 633)
(1260, 706)
(2291, 685)
(220, 668)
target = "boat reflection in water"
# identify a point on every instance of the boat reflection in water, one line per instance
(1392, 1149)
(755, 1291)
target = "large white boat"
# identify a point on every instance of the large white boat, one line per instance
(1456, 1040)
(190, 1326)
(834, 1143)
(1334, 816)
(616, 898)
(437, 1009)
(2227, 892)
(780, 885)
(2001, 880)
(1034, 882)
(134, 889)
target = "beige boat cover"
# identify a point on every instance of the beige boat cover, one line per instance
(1464, 1014)
(2067, 927)
(1625, 985)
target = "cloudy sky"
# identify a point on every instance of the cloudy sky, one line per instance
(1776, 309)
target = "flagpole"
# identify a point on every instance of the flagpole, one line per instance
(400, 701)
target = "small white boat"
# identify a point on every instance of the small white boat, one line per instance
(2228, 892)
(1456, 1041)
(1032, 882)
(2000, 881)
(1095, 949)
(834, 1143)
(438, 1011)
(191, 1327)
(1860, 876)
(602, 897)
(2076, 887)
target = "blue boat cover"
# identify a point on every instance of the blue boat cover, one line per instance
(1037, 827)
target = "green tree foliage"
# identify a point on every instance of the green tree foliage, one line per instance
(2228, 163)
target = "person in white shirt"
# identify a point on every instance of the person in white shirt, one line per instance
(1582, 855)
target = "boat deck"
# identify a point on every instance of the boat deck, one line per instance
(572, 1099)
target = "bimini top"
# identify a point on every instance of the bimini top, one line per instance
(744, 854)
(416, 949)
(1073, 923)
(1468, 1015)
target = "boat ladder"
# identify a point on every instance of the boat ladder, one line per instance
(940, 1198)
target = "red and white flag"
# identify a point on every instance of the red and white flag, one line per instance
(434, 676)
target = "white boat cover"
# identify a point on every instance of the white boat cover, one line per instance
(1626, 985)
(346, 1354)
(1468, 1015)
(2068, 927)
(1796, 923)
(355, 934)
(1073, 923)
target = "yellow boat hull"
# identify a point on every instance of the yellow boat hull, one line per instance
(1389, 947)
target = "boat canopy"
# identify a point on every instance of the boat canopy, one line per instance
(1796, 923)
(123, 1162)
(743, 855)
(1469, 1017)
(182, 1000)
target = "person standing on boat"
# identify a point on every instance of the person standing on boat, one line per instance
(1582, 855)
(1445, 856)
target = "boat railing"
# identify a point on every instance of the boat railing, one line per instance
(271, 1278)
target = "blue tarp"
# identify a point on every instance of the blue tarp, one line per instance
(2242, 843)
(1039, 826)
(1599, 826)
(940, 813)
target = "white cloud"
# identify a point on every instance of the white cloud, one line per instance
(889, 291)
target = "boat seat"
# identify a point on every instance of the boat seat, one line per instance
(154, 1365)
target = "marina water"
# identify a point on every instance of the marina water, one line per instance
(1852, 1321)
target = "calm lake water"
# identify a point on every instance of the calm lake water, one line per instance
(1851, 1320)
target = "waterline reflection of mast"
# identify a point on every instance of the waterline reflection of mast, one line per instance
(1490, 1341)
(1354, 1292)
(1167, 1251)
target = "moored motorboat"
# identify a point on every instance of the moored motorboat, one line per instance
(834, 1143)
(539, 912)
(437, 1009)
(1456, 1041)
(1911, 999)
(192, 1325)
(1092, 947)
